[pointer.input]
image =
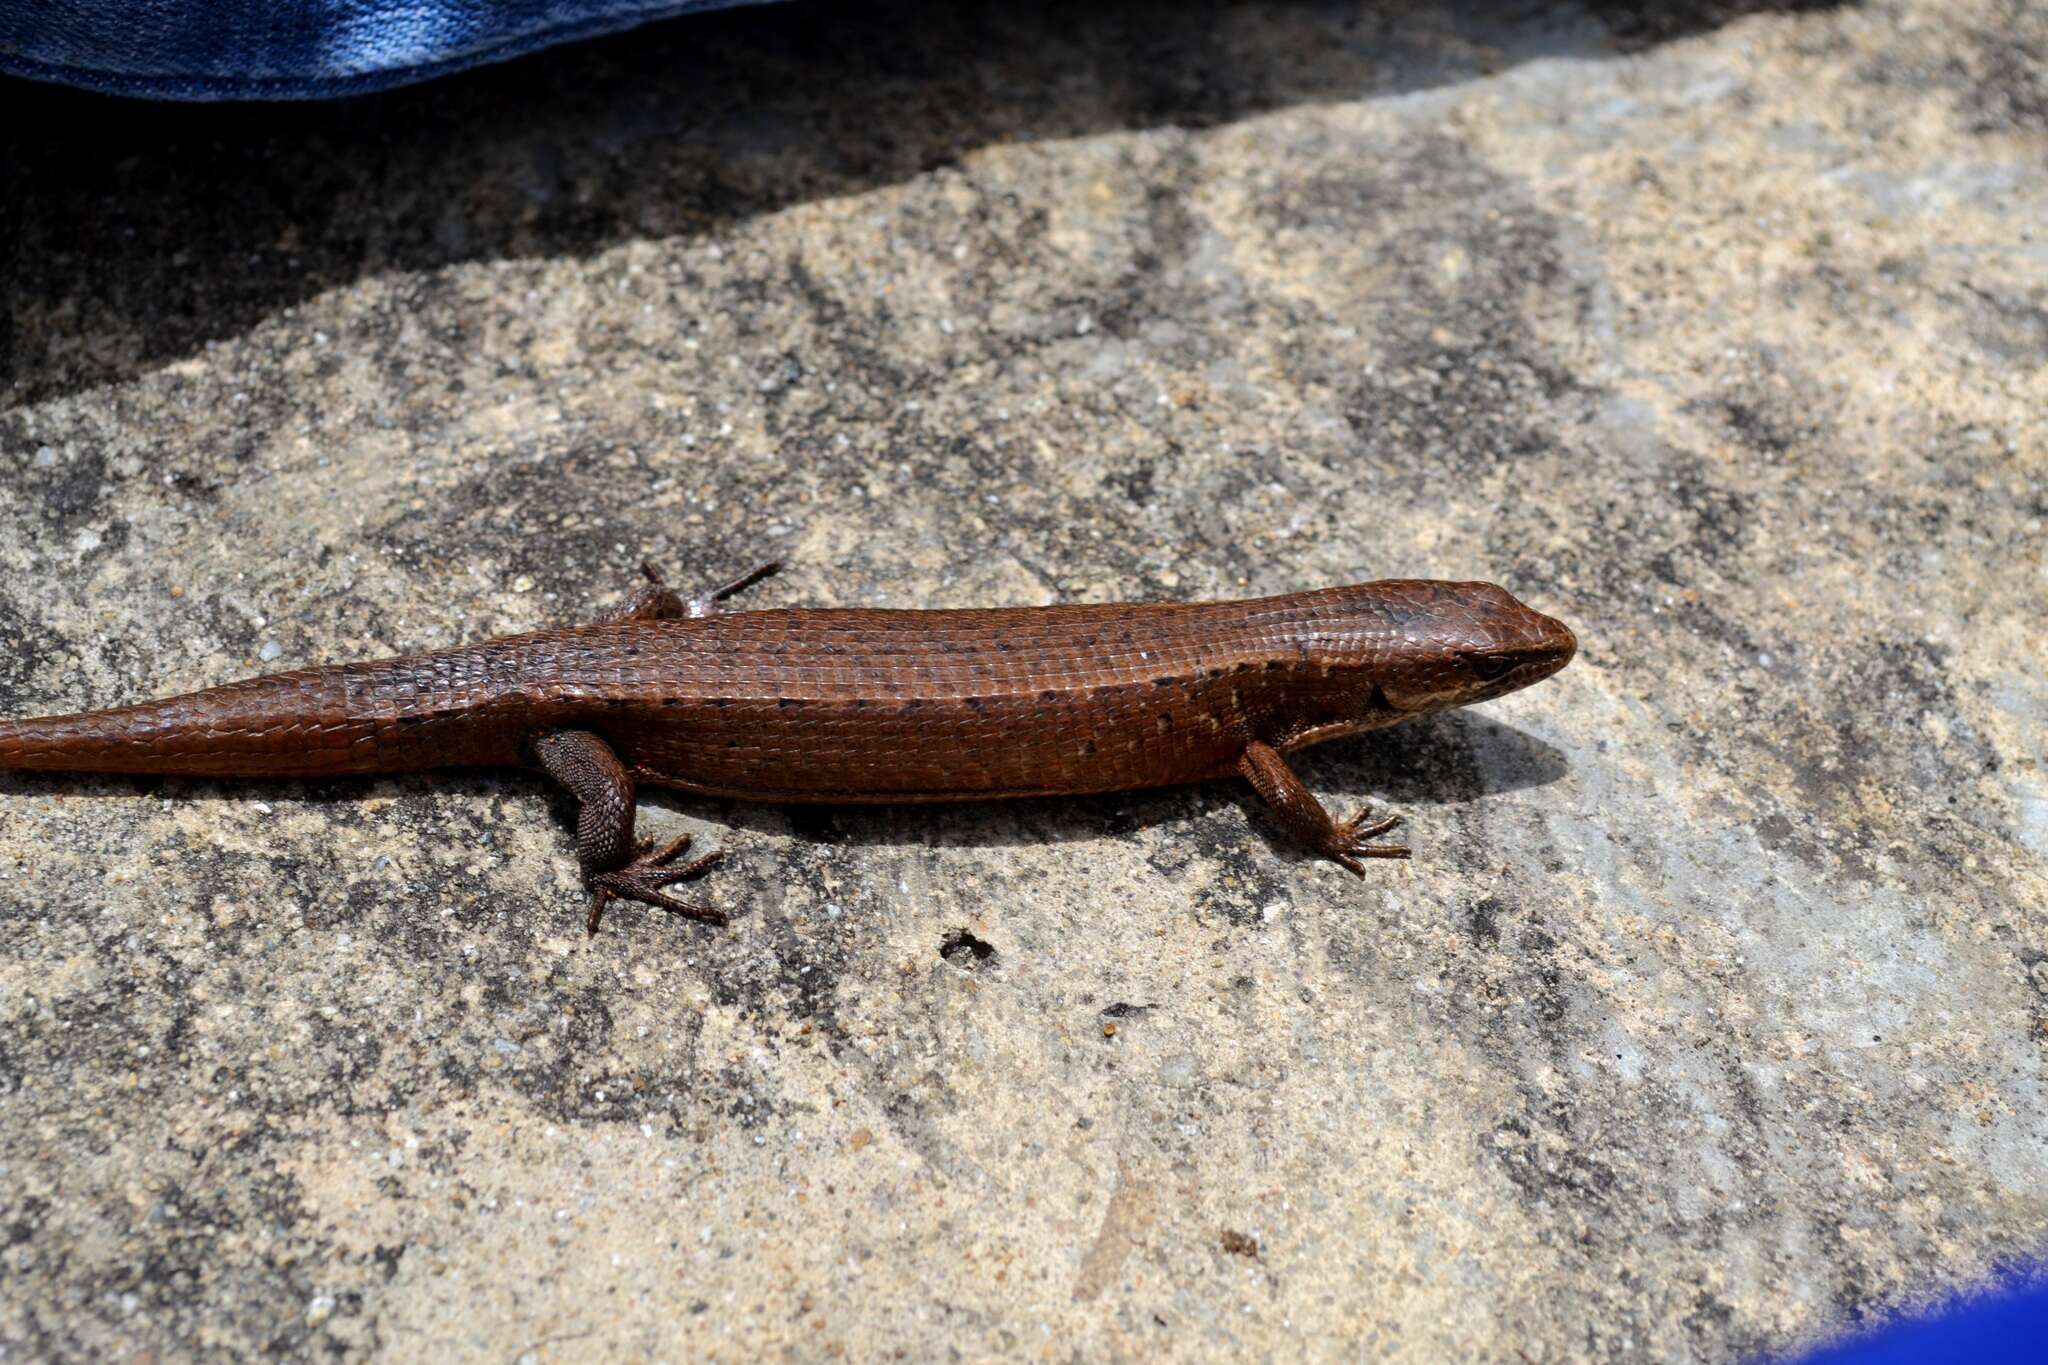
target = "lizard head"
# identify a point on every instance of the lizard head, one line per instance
(1458, 643)
(1374, 655)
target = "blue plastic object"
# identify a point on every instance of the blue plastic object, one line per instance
(2005, 1329)
(291, 49)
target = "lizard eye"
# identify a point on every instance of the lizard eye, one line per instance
(1490, 666)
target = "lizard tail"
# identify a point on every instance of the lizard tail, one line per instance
(286, 725)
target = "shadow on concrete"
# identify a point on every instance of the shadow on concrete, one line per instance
(1437, 760)
(141, 231)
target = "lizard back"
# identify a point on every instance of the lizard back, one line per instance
(844, 705)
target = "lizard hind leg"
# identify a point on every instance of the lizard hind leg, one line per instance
(585, 765)
(659, 602)
(706, 603)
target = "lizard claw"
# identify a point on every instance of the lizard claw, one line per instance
(1348, 843)
(642, 879)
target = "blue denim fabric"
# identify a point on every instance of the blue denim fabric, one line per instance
(291, 49)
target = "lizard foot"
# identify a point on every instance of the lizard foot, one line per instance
(642, 879)
(659, 602)
(1348, 842)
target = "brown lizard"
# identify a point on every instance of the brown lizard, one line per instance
(857, 706)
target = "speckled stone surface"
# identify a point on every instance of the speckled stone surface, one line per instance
(1710, 1018)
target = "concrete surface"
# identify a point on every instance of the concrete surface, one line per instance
(1710, 1018)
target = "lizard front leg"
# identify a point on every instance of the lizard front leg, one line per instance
(1301, 815)
(585, 765)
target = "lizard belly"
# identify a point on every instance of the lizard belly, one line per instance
(928, 749)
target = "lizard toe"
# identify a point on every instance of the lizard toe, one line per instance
(642, 880)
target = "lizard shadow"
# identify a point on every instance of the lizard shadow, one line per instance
(1438, 760)
(1445, 759)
